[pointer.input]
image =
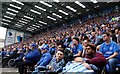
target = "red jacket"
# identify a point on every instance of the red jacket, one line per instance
(96, 59)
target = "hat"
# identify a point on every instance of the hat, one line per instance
(46, 46)
(33, 45)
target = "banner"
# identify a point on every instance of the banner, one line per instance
(19, 36)
(10, 37)
(13, 36)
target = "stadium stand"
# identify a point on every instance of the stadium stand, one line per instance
(75, 40)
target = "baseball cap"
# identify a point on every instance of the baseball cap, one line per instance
(33, 45)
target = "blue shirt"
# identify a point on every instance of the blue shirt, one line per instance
(109, 49)
(77, 48)
(52, 50)
(32, 55)
(45, 59)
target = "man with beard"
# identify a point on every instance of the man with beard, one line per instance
(96, 59)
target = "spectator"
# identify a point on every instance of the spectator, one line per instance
(99, 38)
(93, 38)
(7, 58)
(68, 55)
(3, 52)
(56, 63)
(52, 48)
(45, 59)
(93, 57)
(85, 42)
(18, 60)
(78, 65)
(30, 59)
(110, 50)
(77, 48)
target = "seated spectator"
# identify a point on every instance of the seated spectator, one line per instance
(52, 49)
(45, 58)
(3, 52)
(93, 38)
(30, 59)
(18, 60)
(77, 48)
(99, 38)
(21, 53)
(8, 57)
(93, 57)
(111, 52)
(55, 64)
(85, 42)
(68, 55)
(78, 65)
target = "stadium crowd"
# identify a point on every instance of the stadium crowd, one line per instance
(87, 46)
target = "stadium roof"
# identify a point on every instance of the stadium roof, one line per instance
(34, 17)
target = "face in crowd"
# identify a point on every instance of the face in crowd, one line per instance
(106, 37)
(85, 42)
(59, 55)
(90, 49)
(75, 42)
(59, 47)
(31, 47)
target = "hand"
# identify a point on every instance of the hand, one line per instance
(84, 48)
(72, 46)
(23, 59)
(107, 59)
(7, 55)
(79, 59)
(50, 68)
(35, 65)
(86, 65)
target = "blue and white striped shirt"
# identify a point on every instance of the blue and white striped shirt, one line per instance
(74, 67)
